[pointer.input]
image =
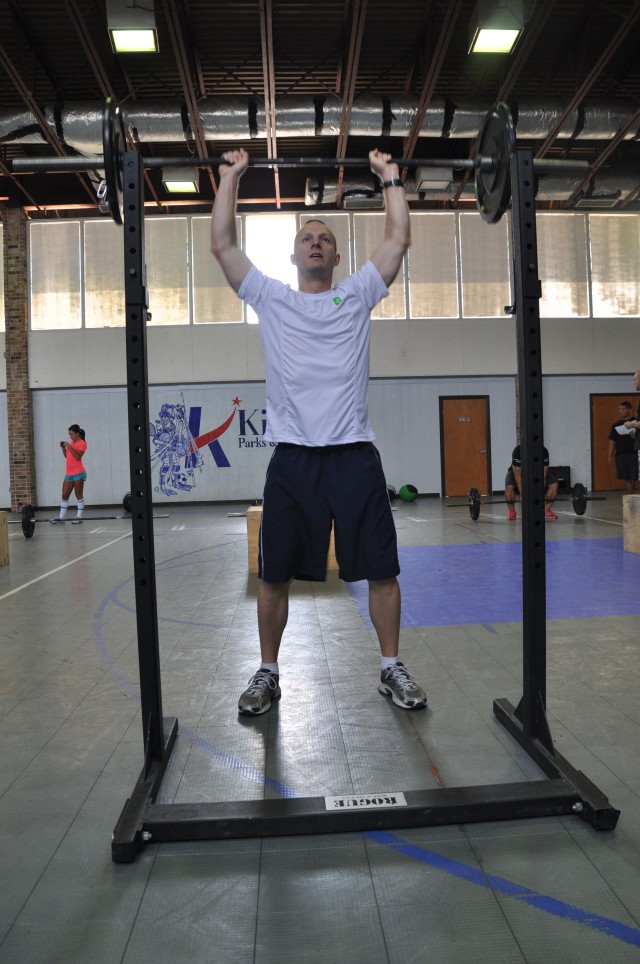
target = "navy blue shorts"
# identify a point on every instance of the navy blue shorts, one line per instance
(307, 488)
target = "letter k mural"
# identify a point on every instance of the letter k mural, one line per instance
(210, 438)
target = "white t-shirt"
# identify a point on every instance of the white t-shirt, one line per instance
(316, 352)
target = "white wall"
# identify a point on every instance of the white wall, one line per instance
(399, 349)
(404, 414)
(567, 417)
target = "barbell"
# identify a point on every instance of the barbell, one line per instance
(28, 520)
(496, 146)
(578, 500)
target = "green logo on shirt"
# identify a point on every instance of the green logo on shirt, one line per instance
(337, 301)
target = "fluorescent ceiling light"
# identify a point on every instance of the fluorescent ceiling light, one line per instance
(132, 26)
(495, 26)
(180, 180)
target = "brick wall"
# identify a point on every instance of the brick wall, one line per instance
(19, 409)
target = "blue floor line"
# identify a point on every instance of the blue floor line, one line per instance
(502, 886)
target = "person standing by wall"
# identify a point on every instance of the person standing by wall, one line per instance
(622, 451)
(75, 474)
(634, 423)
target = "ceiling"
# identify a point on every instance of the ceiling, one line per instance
(293, 79)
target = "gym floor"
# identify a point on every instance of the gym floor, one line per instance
(537, 890)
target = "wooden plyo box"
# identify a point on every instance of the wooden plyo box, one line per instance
(254, 518)
(4, 540)
(631, 523)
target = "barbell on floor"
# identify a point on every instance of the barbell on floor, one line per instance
(28, 520)
(496, 145)
(578, 500)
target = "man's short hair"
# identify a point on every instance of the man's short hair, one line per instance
(324, 224)
(626, 405)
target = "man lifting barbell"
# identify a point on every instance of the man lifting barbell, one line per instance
(513, 485)
(315, 343)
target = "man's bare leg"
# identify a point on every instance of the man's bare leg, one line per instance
(384, 609)
(273, 612)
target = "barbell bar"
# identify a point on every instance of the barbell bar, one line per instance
(28, 520)
(578, 500)
(496, 145)
(65, 165)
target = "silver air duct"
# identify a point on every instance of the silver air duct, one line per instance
(165, 121)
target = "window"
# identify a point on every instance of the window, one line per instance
(368, 232)
(433, 266)
(269, 245)
(167, 257)
(214, 300)
(562, 262)
(485, 266)
(54, 262)
(615, 253)
(457, 266)
(103, 275)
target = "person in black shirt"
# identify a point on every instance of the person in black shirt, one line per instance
(622, 449)
(513, 484)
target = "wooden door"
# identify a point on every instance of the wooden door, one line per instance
(604, 412)
(464, 440)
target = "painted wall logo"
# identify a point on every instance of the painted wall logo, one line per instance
(177, 442)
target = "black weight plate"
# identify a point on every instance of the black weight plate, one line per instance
(126, 502)
(497, 141)
(474, 504)
(28, 522)
(579, 498)
(113, 148)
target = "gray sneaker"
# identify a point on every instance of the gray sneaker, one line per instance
(398, 683)
(262, 691)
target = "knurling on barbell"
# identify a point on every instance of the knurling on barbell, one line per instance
(491, 166)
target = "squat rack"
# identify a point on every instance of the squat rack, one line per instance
(565, 791)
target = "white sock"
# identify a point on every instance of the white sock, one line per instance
(387, 661)
(80, 508)
(63, 508)
(272, 667)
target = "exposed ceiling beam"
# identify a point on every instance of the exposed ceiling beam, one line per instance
(184, 69)
(100, 73)
(36, 46)
(435, 66)
(535, 25)
(7, 173)
(523, 50)
(89, 48)
(621, 34)
(33, 106)
(350, 77)
(604, 156)
(269, 79)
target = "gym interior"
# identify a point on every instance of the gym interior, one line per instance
(448, 401)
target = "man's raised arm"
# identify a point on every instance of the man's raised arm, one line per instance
(388, 257)
(224, 243)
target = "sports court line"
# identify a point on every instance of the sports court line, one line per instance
(473, 875)
(506, 888)
(72, 562)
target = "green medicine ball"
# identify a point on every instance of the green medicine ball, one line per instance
(408, 493)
